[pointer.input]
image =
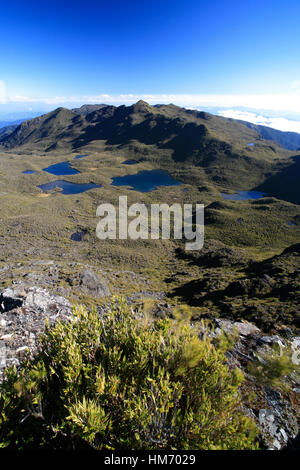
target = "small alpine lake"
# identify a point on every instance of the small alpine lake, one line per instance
(243, 195)
(146, 181)
(68, 187)
(61, 169)
(77, 157)
(130, 162)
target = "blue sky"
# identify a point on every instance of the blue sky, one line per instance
(215, 53)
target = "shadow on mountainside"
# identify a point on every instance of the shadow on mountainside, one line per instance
(284, 184)
(266, 293)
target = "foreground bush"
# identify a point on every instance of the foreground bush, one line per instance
(123, 382)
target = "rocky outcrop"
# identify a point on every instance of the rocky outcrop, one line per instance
(276, 414)
(23, 314)
(277, 421)
(69, 280)
(92, 284)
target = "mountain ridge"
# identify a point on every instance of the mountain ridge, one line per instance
(230, 153)
(285, 139)
(125, 116)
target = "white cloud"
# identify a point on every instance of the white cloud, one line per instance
(275, 104)
(2, 92)
(270, 102)
(281, 124)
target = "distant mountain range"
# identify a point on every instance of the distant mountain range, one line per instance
(8, 125)
(167, 126)
(88, 108)
(287, 140)
(232, 153)
(7, 129)
(11, 123)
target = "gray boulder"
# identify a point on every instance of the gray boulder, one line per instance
(23, 314)
(92, 284)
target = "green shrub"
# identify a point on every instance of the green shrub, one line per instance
(121, 381)
(273, 368)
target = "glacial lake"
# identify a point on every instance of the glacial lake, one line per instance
(61, 169)
(130, 162)
(77, 236)
(146, 181)
(243, 195)
(28, 172)
(77, 157)
(68, 187)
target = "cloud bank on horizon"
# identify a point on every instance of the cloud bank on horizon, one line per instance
(279, 123)
(272, 103)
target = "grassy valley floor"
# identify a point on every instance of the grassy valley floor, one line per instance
(37, 227)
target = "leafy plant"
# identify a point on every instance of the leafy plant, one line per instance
(122, 381)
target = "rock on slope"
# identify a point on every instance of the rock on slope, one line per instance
(23, 314)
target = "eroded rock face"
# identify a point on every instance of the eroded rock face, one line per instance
(277, 417)
(278, 422)
(23, 313)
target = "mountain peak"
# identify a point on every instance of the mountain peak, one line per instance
(86, 109)
(142, 105)
(62, 110)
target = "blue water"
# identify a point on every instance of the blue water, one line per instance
(79, 156)
(68, 187)
(243, 195)
(251, 144)
(130, 162)
(59, 169)
(28, 172)
(77, 236)
(146, 181)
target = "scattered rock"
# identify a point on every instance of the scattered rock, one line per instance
(93, 285)
(242, 328)
(23, 316)
(276, 416)
(278, 423)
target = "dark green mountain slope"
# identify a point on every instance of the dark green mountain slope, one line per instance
(48, 128)
(265, 293)
(7, 130)
(285, 183)
(287, 140)
(185, 132)
(164, 135)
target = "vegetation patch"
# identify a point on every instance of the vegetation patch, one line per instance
(121, 381)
